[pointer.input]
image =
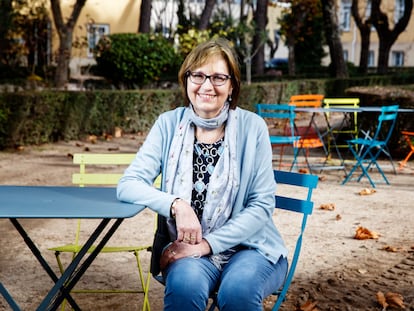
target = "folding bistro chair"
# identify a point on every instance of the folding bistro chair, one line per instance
(281, 123)
(307, 129)
(407, 135)
(348, 126)
(304, 207)
(372, 147)
(83, 178)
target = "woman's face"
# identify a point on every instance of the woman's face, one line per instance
(208, 99)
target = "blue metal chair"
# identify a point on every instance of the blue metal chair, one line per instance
(280, 119)
(303, 206)
(367, 150)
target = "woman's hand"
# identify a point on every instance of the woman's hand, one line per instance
(177, 250)
(188, 225)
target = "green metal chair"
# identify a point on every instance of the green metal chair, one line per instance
(348, 127)
(84, 178)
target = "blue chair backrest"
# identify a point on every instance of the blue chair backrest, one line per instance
(304, 206)
(389, 116)
(278, 111)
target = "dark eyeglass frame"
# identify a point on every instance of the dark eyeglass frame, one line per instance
(192, 75)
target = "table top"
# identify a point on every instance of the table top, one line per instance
(347, 109)
(63, 202)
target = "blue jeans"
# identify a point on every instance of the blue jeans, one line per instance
(243, 283)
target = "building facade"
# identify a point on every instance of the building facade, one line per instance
(102, 17)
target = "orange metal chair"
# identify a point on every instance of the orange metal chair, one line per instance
(407, 136)
(310, 136)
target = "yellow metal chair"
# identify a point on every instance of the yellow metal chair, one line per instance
(348, 126)
(84, 178)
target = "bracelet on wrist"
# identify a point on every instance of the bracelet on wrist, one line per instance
(173, 207)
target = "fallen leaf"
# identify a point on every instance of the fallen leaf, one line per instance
(362, 271)
(390, 248)
(395, 300)
(322, 178)
(338, 217)
(367, 191)
(92, 139)
(118, 132)
(308, 306)
(381, 300)
(328, 206)
(364, 234)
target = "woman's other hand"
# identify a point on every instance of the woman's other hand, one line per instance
(188, 225)
(177, 250)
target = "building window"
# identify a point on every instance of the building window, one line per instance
(371, 59)
(345, 55)
(397, 58)
(95, 32)
(345, 18)
(399, 10)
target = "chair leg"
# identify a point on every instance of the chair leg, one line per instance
(409, 143)
(145, 282)
(360, 164)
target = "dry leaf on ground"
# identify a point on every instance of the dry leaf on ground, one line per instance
(328, 206)
(308, 306)
(367, 191)
(395, 300)
(322, 178)
(392, 249)
(364, 234)
(381, 300)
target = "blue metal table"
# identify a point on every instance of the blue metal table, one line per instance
(64, 202)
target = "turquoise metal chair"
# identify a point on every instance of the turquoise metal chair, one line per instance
(281, 122)
(368, 149)
(304, 207)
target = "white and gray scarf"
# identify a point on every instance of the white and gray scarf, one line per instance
(224, 181)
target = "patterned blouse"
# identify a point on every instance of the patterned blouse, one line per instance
(205, 158)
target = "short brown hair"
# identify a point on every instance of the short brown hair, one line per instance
(201, 54)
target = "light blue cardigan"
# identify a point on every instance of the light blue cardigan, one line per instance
(251, 221)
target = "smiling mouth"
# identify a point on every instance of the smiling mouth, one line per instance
(206, 96)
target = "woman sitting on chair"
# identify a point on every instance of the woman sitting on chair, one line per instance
(215, 229)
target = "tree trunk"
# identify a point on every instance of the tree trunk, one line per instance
(6, 11)
(206, 14)
(387, 37)
(365, 33)
(333, 38)
(145, 17)
(291, 55)
(65, 33)
(260, 37)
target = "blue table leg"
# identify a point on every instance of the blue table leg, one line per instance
(70, 276)
(9, 298)
(35, 251)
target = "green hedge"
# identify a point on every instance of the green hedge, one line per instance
(48, 116)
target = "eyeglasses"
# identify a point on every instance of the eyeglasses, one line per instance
(216, 79)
